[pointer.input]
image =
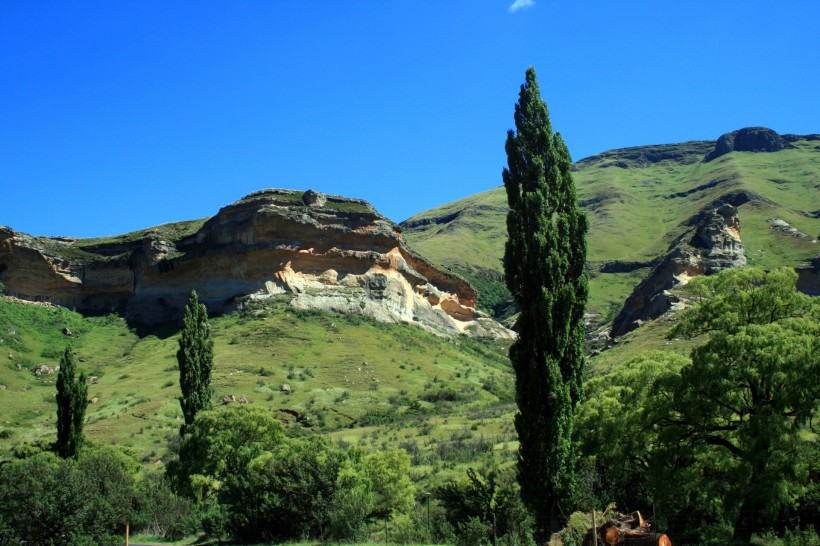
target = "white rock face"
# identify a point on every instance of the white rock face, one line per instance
(385, 294)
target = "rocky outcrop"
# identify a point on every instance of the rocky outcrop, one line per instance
(714, 246)
(749, 139)
(324, 252)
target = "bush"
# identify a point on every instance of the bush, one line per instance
(488, 503)
(164, 514)
(48, 500)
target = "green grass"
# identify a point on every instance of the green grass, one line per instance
(115, 247)
(636, 209)
(449, 401)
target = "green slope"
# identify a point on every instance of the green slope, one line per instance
(638, 201)
(449, 401)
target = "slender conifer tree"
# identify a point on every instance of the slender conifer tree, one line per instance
(72, 401)
(544, 265)
(195, 357)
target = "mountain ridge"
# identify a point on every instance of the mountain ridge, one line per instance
(327, 252)
(640, 200)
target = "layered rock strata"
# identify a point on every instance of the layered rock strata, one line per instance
(325, 252)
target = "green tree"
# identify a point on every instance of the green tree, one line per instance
(616, 431)
(219, 446)
(389, 473)
(750, 390)
(195, 357)
(72, 401)
(486, 508)
(212, 467)
(47, 500)
(544, 265)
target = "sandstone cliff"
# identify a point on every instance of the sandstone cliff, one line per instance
(714, 246)
(325, 252)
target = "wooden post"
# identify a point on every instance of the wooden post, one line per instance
(126, 533)
(594, 530)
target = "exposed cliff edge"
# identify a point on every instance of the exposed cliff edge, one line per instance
(325, 252)
(714, 246)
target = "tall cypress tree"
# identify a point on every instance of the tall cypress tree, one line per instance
(544, 265)
(195, 357)
(72, 401)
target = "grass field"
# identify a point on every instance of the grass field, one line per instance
(447, 401)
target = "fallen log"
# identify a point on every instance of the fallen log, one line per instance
(626, 530)
(644, 539)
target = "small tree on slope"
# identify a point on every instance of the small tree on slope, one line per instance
(195, 357)
(72, 401)
(544, 269)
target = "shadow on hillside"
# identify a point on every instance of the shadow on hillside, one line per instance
(161, 331)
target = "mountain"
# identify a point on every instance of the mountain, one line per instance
(323, 252)
(318, 292)
(643, 203)
(320, 313)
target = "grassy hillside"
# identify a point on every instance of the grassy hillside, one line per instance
(638, 201)
(447, 402)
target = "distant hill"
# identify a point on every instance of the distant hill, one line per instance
(640, 202)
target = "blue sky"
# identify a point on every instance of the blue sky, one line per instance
(116, 116)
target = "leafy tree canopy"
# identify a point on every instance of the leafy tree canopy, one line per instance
(544, 260)
(723, 439)
(751, 387)
(72, 401)
(195, 357)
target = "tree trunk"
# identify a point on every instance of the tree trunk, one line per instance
(747, 521)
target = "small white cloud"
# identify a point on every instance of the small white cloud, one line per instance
(520, 4)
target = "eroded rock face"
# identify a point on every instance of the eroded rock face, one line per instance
(325, 252)
(714, 246)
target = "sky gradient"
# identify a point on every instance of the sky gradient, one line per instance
(117, 116)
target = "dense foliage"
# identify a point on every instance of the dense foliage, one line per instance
(255, 483)
(749, 391)
(72, 401)
(195, 357)
(719, 445)
(84, 500)
(544, 264)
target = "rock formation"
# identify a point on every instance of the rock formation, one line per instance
(749, 139)
(714, 246)
(322, 251)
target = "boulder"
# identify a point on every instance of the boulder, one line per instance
(749, 139)
(45, 369)
(313, 198)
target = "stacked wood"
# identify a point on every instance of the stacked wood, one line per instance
(626, 530)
